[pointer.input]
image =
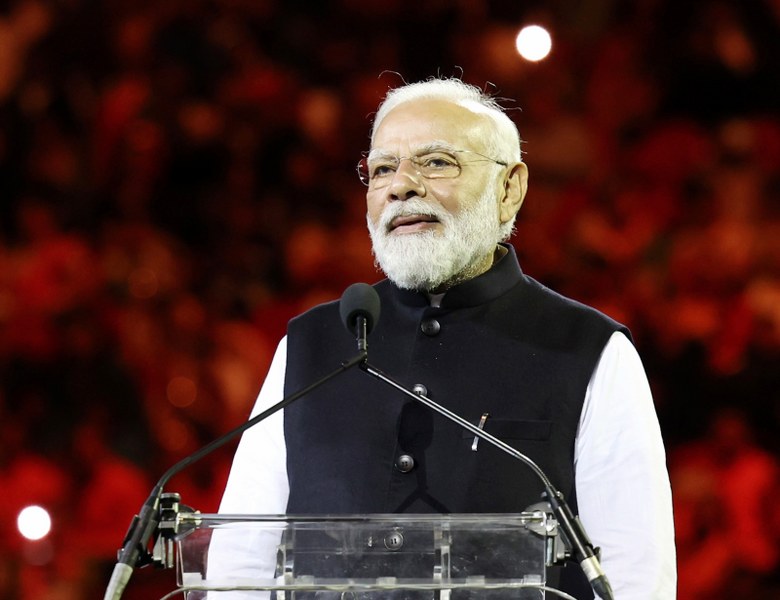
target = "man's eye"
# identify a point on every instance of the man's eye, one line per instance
(437, 161)
(382, 170)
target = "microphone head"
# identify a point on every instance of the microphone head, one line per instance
(359, 300)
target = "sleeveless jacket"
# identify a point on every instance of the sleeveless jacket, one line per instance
(501, 344)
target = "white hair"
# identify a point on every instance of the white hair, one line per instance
(503, 139)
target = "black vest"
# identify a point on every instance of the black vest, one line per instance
(500, 344)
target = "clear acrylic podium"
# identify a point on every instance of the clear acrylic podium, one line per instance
(367, 557)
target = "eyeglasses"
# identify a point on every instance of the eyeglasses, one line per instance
(377, 173)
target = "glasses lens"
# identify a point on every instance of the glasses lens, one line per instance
(437, 165)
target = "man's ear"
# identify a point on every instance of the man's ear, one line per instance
(515, 187)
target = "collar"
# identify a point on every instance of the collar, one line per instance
(500, 278)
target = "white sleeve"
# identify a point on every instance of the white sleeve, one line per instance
(257, 485)
(623, 491)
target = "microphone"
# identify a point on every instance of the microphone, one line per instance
(359, 307)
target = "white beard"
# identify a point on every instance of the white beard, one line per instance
(427, 259)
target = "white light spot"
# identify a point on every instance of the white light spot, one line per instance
(533, 43)
(34, 522)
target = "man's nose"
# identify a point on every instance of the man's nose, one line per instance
(407, 181)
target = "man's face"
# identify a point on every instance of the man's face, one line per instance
(428, 232)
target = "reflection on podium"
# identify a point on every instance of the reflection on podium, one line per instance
(400, 557)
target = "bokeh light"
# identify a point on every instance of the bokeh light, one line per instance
(182, 391)
(34, 522)
(533, 43)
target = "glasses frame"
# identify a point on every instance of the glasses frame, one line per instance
(366, 180)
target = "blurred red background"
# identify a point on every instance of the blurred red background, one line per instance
(176, 181)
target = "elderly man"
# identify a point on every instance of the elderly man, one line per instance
(557, 380)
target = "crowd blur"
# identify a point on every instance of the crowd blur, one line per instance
(177, 180)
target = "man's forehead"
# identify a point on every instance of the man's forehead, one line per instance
(412, 126)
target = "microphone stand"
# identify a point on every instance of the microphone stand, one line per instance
(570, 524)
(134, 551)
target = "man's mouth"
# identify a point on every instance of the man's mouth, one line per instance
(412, 223)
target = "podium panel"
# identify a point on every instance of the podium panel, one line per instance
(364, 557)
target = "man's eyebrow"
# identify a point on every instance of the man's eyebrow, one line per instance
(427, 148)
(378, 153)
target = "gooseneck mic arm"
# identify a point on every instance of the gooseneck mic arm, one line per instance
(362, 311)
(571, 526)
(144, 524)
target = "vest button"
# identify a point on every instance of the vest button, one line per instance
(404, 463)
(430, 327)
(420, 389)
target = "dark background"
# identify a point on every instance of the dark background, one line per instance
(177, 180)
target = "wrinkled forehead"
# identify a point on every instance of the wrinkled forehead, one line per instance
(415, 150)
(411, 127)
